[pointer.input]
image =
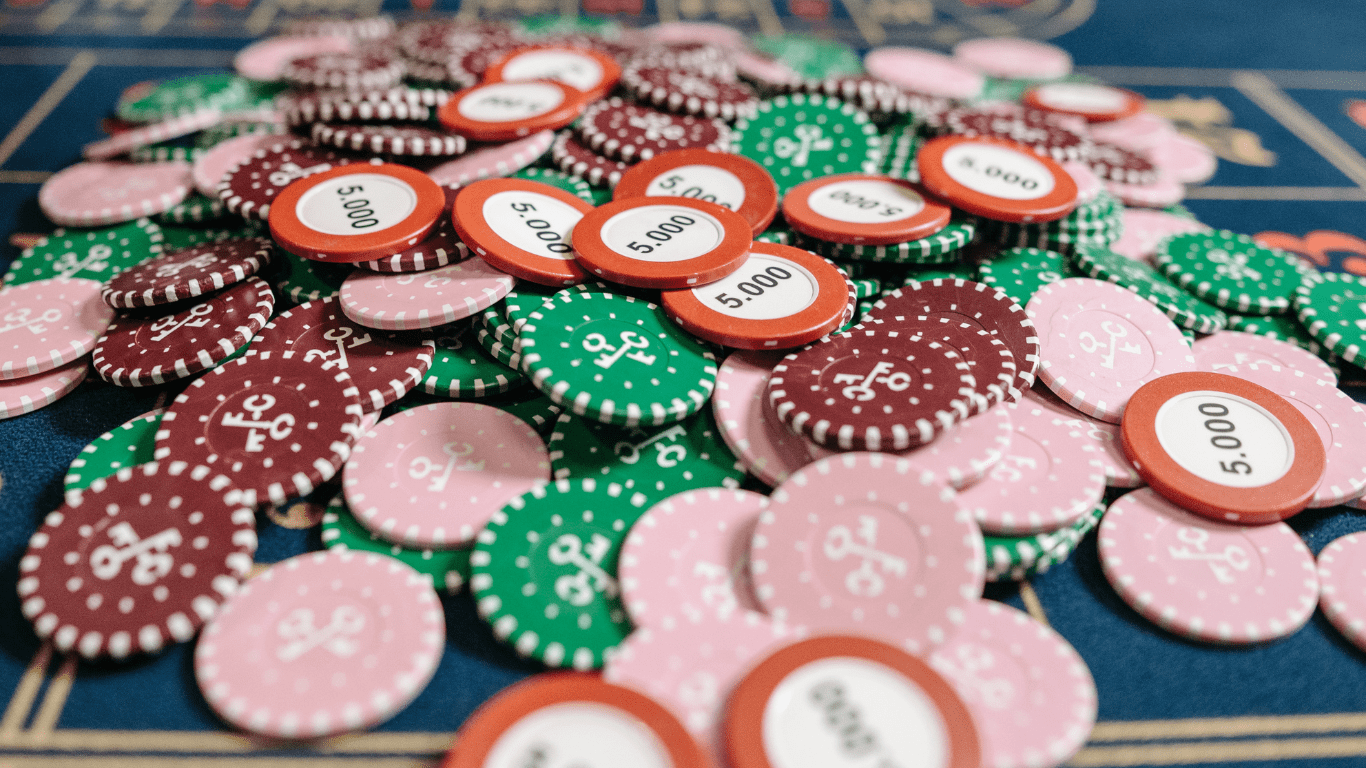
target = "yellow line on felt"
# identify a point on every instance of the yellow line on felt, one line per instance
(1032, 604)
(57, 14)
(261, 18)
(21, 702)
(1297, 120)
(50, 710)
(871, 30)
(666, 10)
(224, 743)
(1307, 194)
(159, 14)
(1219, 752)
(763, 11)
(77, 69)
(1227, 727)
(469, 10)
(24, 177)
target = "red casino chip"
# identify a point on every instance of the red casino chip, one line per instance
(664, 243)
(592, 72)
(781, 297)
(507, 111)
(889, 705)
(996, 178)
(522, 227)
(136, 562)
(1223, 447)
(730, 181)
(441, 247)
(356, 212)
(863, 209)
(579, 719)
(1091, 101)
(187, 273)
(249, 189)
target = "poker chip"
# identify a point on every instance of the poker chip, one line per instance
(1014, 58)
(1099, 343)
(522, 228)
(939, 248)
(1331, 309)
(1017, 558)
(186, 547)
(277, 425)
(137, 351)
(181, 96)
(482, 162)
(51, 322)
(382, 366)
(591, 72)
(963, 455)
(1223, 447)
(627, 132)
(265, 60)
(306, 280)
(1185, 159)
(1219, 352)
(777, 714)
(750, 427)
(578, 718)
(863, 208)
(781, 297)
(1339, 567)
(997, 179)
(502, 111)
(915, 389)
(1045, 133)
(1206, 580)
(924, 71)
(1019, 273)
(441, 247)
(402, 140)
(433, 476)
(366, 107)
(667, 244)
(320, 644)
(99, 193)
(251, 187)
(93, 254)
(462, 369)
(544, 571)
(128, 445)
(692, 93)
(356, 212)
(1162, 193)
(581, 162)
(1117, 164)
(410, 301)
(1285, 328)
(615, 359)
(1090, 101)
(1048, 478)
(146, 135)
(844, 541)
(655, 462)
(730, 181)
(26, 395)
(194, 209)
(1144, 229)
(801, 137)
(1183, 308)
(1100, 435)
(1231, 271)
(991, 362)
(560, 180)
(365, 69)
(187, 273)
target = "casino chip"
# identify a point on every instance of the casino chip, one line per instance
(731, 181)
(558, 179)
(365, 69)
(461, 368)
(863, 209)
(963, 455)
(1183, 308)
(545, 571)
(1014, 58)
(433, 476)
(383, 366)
(138, 351)
(615, 359)
(926, 72)
(320, 644)
(939, 248)
(1093, 102)
(1223, 447)
(522, 228)
(26, 395)
(666, 243)
(186, 546)
(802, 137)
(997, 179)
(1144, 229)
(1342, 598)
(1206, 580)
(187, 273)
(306, 280)
(591, 72)
(220, 159)
(581, 162)
(93, 254)
(399, 140)
(410, 301)
(250, 188)
(1232, 271)
(80, 195)
(1226, 350)
(52, 322)
(181, 96)
(1016, 558)
(750, 427)
(1333, 309)
(629, 133)
(503, 111)
(277, 423)
(1100, 435)
(692, 93)
(1287, 328)
(129, 445)
(1020, 272)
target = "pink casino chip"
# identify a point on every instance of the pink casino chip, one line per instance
(1199, 578)
(1342, 583)
(1137, 133)
(1031, 694)
(432, 476)
(969, 449)
(491, 161)
(1145, 228)
(685, 560)
(1049, 478)
(924, 71)
(210, 168)
(1014, 58)
(402, 302)
(26, 395)
(49, 323)
(1161, 193)
(92, 194)
(1104, 436)
(870, 544)
(266, 60)
(1099, 342)
(1089, 185)
(750, 427)
(1234, 349)
(1185, 159)
(321, 644)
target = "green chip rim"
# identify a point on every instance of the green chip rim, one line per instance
(799, 137)
(558, 179)
(1332, 307)
(1231, 270)
(1016, 559)
(127, 445)
(93, 254)
(307, 280)
(940, 247)
(1021, 272)
(462, 368)
(447, 569)
(1185, 310)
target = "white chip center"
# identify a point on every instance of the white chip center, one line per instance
(866, 201)
(1225, 439)
(845, 711)
(356, 204)
(506, 102)
(997, 171)
(700, 182)
(578, 733)
(765, 288)
(582, 72)
(536, 223)
(662, 233)
(1081, 97)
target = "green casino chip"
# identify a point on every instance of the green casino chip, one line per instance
(176, 238)
(1184, 309)
(777, 232)
(800, 137)
(558, 179)
(867, 287)
(1333, 309)
(211, 137)
(530, 405)
(956, 270)
(128, 445)
(655, 461)
(192, 210)
(461, 368)
(898, 161)
(183, 96)
(447, 569)
(853, 270)
(616, 359)
(812, 57)
(1231, 271)
(166, 153)
(93, 254)
(1016, 559)
(1286, 328)
(306, 280)
(1021, 272)
(939, 248)
(497, 339)
(544, 571)
(545, 25)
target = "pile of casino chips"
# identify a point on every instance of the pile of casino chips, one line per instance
(739, 388)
